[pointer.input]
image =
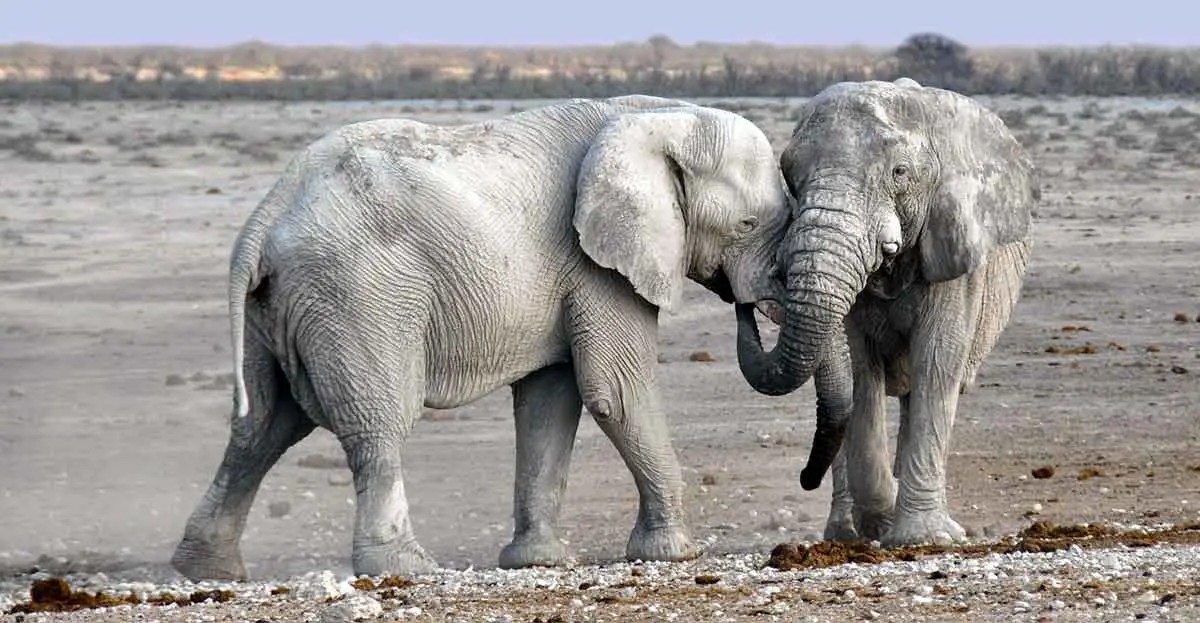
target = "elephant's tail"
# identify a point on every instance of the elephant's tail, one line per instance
(246, 269)
(244, 276)
(248, 263)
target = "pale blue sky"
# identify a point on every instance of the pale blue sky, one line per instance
(551, 22)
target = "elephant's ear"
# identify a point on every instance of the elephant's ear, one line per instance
(630, 199)
(986, 192)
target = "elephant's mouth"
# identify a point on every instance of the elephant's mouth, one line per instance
(771, 309)
(719, 284)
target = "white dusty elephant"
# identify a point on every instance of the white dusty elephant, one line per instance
(912, 231)
(397, 265)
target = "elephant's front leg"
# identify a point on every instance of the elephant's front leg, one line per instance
(939, 362)
(869, 473)
(840, 524)
(546, 407)
(636, 425)
(616, 357)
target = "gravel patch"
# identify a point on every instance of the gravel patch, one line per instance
(1079, 582)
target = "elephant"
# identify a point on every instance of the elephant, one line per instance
(903, 264)
(397, 265)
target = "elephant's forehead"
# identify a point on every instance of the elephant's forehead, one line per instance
(879, 103)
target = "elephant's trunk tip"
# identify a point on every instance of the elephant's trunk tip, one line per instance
(811, 476)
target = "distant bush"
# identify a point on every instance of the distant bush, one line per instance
(930, 58)
(658, 66)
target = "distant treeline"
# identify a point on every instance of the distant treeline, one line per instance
(657, 67)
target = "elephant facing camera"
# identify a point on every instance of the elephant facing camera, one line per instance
(906, 261)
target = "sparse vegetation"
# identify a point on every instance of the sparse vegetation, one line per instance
(258, 71)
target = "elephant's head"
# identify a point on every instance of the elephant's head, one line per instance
(684, 191)
(894, 183)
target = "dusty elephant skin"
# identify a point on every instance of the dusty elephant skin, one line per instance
(913, 231)
(114, 397)
(398, 265)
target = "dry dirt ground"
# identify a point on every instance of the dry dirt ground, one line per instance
(116, 221)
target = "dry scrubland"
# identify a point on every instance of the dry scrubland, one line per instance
(260, 71)
(115, 226)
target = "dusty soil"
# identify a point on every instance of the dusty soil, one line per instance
(115, 225)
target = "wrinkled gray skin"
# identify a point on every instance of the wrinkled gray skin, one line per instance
(397, 265)
(912, 233)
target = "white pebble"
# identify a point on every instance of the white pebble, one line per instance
(353, 608)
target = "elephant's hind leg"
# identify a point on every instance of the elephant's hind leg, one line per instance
(210, 545)
(547, 408)
(371, 392)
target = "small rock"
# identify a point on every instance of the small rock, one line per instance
(174, 380)
(213, 191)
(1181, 318)
(627, 592)
(1044, 472)
(339, 479)
(1057, 604)
(702, 356)
(279, 509)
(322, 585)
(707, 579)
(353, 608)
(1177, 369)
(1147, 597)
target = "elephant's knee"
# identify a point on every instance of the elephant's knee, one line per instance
(599, 402)
(600, 408)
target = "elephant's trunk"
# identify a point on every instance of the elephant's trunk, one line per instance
(828, 261)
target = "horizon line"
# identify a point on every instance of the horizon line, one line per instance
(524, 46)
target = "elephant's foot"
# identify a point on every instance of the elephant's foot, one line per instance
(533, 551)
(392, 559)
(671, 544)
(924, 528)
(840, 528)
(196, 561)
(873, 524)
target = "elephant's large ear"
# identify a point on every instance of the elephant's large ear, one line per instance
(629, 202)
(987, 189)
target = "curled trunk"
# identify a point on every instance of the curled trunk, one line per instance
(827, 268)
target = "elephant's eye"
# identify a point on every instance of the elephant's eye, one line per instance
(899, 171)
(747, 224)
